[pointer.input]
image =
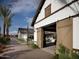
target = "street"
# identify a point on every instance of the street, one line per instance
(22, 51)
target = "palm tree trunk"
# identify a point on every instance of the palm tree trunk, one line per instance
(7, 31)
(4, 29)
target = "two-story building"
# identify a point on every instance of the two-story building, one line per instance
(24, 33)
(61, 17)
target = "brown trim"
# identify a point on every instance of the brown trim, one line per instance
(59, 10)
(48, 10)
(64, 26)
(76, 49)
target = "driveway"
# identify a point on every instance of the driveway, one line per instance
(22, 51)
(29, 54)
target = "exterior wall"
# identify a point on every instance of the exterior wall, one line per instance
(55, 5)
(64, 33)
(40, 37)
(22, 36)
(66, 12)
(76, 33)
(35, 36)
(19, 35)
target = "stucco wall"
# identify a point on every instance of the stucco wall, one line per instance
(35, 36)
(22, 36)
(76, 33)
(65, 33)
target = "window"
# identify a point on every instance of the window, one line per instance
(48, 10)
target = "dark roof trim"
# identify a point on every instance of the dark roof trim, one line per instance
(38, 11)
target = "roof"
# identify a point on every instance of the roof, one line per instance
(22, 30)
(38, 11)
(25, 30)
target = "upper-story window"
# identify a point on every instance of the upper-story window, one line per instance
(48, 10)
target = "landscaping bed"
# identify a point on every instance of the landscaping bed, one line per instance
(3, 43)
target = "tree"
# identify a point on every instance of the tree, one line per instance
(5, 12)
(8, 24)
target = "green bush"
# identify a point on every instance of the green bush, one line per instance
(8, 39)
(65, 53)
(74, 55)
(55, 56)
(34, 46)
(4, 40)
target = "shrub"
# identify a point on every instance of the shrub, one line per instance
(34, 46)
(4, 40)
(55, 56)
(74, 55)
(65, 53)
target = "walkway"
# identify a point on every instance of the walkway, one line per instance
(21, 51)
(29, 54)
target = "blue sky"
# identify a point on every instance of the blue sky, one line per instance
(23, 11)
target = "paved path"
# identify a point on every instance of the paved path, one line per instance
(20, 51)
(29, 54)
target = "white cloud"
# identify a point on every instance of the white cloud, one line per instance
(24, 5)
(13, 32)
(28, 20)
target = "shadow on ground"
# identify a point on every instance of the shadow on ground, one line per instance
(13, 55)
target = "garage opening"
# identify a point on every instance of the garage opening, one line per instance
(49, 35)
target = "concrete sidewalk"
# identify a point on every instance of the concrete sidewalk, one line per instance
(22, 51)
(29, 54)
(15, 48)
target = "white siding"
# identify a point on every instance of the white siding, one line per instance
(22, 36)
(19, 35)
(25, 37)
(55, 5)
(66, 12)
(76, 33)
(53, 18)
(35, 36)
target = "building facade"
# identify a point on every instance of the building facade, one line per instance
(61, 17)
(24, 33)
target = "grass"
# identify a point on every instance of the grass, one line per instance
(32, 45)
(65, 53)
(4, 41)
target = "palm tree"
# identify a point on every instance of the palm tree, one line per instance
(8, 24)
(5, 12)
